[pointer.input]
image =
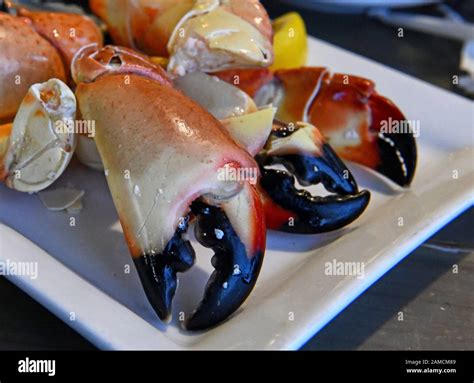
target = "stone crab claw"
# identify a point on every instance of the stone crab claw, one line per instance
(307, 158)
(301, 149)
(36, 148)
(205, 35)
(164, 156)
(360, 125)
(35, 47)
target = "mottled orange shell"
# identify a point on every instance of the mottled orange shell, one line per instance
(26, 58)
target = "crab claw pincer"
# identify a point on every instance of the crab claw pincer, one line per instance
(356, 121)
(299, 147)
(308, 159)
(360, 124)
(165, 158)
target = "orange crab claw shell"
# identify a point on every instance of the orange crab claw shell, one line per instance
(249, 80)
(67, 32)
(174, 152)
(22, 49)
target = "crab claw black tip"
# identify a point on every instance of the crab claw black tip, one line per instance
(327, 168)
(158, 273)
(311, 215)
(235, 273)
(398, 157)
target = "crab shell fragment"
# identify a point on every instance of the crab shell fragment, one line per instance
(163, 154)
(40, 142)
(205, 35)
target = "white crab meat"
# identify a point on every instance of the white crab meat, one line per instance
(218, 97)
(237, 111)
(305, 140)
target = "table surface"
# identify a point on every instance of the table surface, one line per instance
(420, 304)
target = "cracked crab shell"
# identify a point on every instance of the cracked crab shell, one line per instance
(26, 58)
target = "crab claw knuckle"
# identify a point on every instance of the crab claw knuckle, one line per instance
(90, 63)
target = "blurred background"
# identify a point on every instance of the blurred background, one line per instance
(428, 56)
(438, 310)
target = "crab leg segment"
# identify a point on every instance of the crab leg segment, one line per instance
(67, 32)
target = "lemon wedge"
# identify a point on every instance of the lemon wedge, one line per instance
(160, 61)
(289, 42)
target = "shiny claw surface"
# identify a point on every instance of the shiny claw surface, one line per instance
(237, 237)
(310, 161)
(165, 157)
(299, 147)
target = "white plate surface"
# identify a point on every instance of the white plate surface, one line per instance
(81, 275)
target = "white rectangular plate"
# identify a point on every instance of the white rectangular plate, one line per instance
(81, 269)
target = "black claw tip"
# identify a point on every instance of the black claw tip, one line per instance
(312, 214)
(235, 272)
(398, 157)
(158, 272)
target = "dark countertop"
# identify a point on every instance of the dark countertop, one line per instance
(437, 305)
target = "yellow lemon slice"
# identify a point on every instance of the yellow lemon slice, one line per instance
(289, 42)
(161, 61)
